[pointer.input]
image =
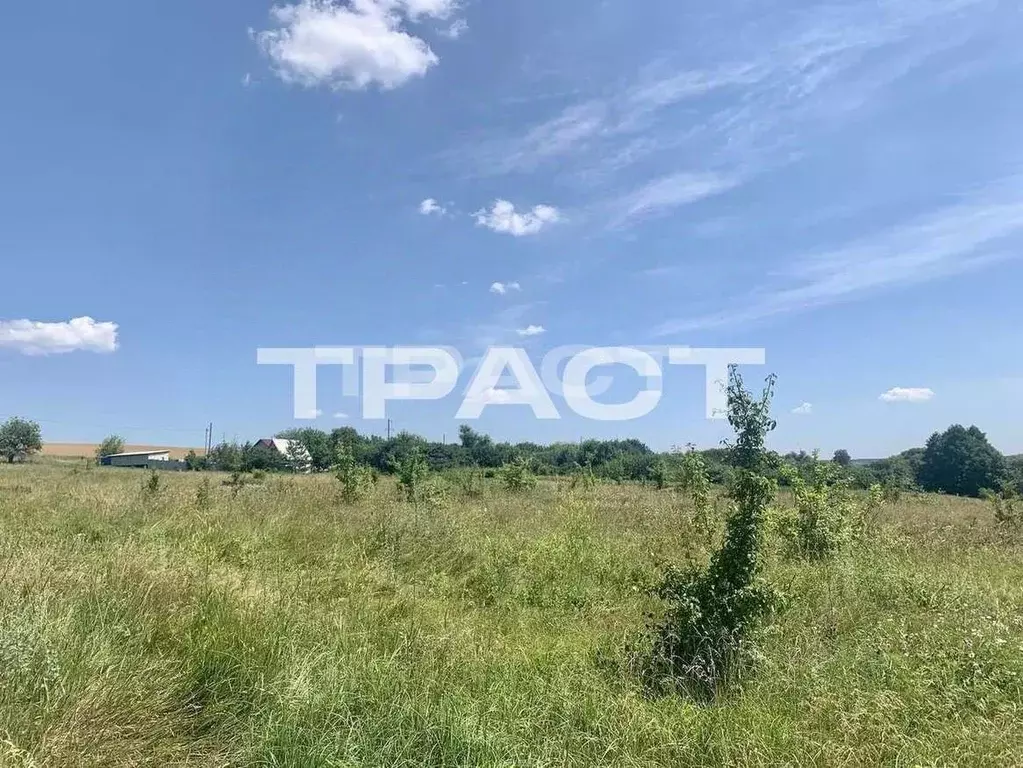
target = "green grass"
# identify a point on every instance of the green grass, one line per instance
(279, 628)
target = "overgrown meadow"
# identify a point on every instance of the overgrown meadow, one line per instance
(198, 621)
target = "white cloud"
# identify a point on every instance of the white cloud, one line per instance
(353, 45)
(431, 207)
(503, 218)
(947, 242)
(502, 288)
(907, 395)
(341, 416)
(667, 192)
(456, 30)
(80, 334)
(532, 330)
(490, 397)
(805, 409)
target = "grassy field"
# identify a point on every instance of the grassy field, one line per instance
(275, 627)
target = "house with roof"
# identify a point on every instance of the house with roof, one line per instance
(290, 451)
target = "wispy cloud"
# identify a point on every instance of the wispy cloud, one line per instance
(503, 218)
(750, 105)
(458, 28)
(351, 45)
(41, 338)
(907, 395)
(805, 409)
(532, 330)
(951, 241)
(666, 193)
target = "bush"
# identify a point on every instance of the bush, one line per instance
(1008, 509)
(822, 521)
(469, 482)
(204, 495)
(355, 478)
(694, 481)
(516, 476)
(413, 474)
(706, 636)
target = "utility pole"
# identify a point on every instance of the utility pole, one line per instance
(388, 429)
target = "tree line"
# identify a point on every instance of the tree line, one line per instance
(959, 461)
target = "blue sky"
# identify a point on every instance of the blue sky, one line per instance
(839, 183)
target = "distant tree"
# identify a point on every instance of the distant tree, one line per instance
(225, 457)
(318, 443)
(1016, 472)
(19, 439)
(842, 458)
(297, 456)
(254, 457)
(110, 445)
(195, 462)
(961, 461)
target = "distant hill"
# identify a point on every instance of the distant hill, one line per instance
(864, 462)
(79, 450)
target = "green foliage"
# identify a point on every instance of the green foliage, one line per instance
(151, 486)
(110, 445)
(204, 495)
(517, 476)
(694, 481)
(296, 457)
(413, 475)
(194, 462)
(469, 482)
(19, 439)
(1008, 509)
(660, 475)
(824, 516)
(706, 636)
(584, 479)
(866, 522)
(842, 458)
(318, 444)
(355, 478)
(961, 461)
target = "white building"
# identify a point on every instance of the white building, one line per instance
(135, 459)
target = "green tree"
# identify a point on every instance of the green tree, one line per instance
(706, 636)
(842, 458)
(19, 439)
(962, 462)
(355, 478)
(319, 444)
(110, 445)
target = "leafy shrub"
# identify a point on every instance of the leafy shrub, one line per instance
(695, 483)
(706, 636)
(822, 521)
(516, 476)
(659, 474)
(469, 482)
(151, 485)
(584, 479)
(1008, 509)
(413, 476)
(204, 495)
(355, 478)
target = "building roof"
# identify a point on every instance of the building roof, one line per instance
(283, 447)
(137, 453)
